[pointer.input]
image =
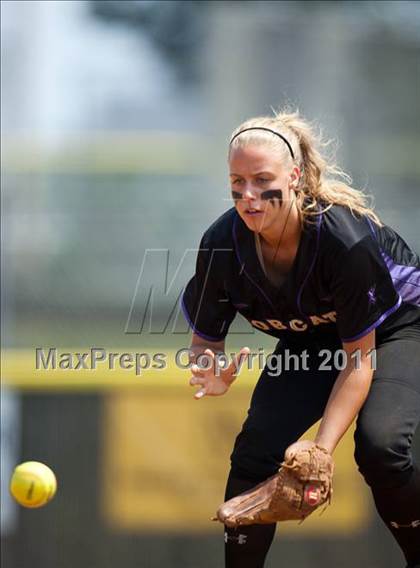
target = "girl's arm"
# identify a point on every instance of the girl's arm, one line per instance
(199, 345)
(349, 392)
(347, 396)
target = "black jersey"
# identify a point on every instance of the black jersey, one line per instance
(349, 277)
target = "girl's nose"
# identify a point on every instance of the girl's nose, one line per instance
(249, 193)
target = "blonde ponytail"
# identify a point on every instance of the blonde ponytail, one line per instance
(322, 181)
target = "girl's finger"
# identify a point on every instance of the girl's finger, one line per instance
(197, 381)
(195, 369)
(199, 394)
(237, 360)
(209, 352)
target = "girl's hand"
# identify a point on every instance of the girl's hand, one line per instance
(296, 447)
(216, 385)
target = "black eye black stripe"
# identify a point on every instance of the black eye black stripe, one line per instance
(268, 195)
(272, 194)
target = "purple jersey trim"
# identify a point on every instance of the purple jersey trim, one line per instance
(299, 296)
(375, 324)
(195, 330)
(371, 228)
(243, 264)
(406, 279)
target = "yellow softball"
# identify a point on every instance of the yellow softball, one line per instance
(33, 484)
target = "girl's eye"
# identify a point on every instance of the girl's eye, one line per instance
(236, 182)
(263, 180)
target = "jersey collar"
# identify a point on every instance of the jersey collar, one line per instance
(292, 286)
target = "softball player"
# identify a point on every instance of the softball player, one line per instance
(304, 258)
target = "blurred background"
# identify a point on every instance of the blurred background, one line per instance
(115, 121)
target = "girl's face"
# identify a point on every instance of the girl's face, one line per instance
(262, 188)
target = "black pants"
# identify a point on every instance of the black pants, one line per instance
(283, 407)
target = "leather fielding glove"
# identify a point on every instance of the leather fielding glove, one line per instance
(302, 484)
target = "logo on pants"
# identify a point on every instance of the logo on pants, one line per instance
(412, 525)
(240, 539)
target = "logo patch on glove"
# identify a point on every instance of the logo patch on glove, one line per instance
(311, 495)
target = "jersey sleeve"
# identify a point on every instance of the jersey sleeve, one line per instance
(363, 291)
(205, 302)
